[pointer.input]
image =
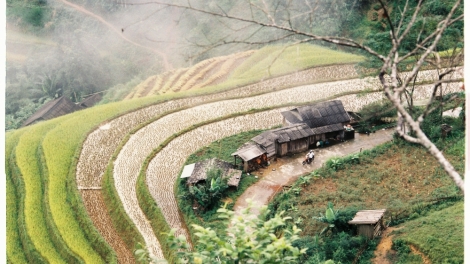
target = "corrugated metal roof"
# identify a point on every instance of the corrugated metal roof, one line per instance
(249, 151)
(367, 217)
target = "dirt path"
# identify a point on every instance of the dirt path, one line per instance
(119, 32)
(384, 247)
(416, 251)
(286, 170)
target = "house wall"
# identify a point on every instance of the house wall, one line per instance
(366, 230)
(294, 146)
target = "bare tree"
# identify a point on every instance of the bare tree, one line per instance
(265, 22)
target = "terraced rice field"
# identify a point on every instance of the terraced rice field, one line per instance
(246, 67)
(141, 144)
(137, 134)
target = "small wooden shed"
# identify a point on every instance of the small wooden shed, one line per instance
(252, 156)
(370, 223)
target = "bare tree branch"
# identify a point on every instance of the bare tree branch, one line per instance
(393, 84)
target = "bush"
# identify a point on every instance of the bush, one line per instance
(377, 6)
(372, 114)
(209, 193)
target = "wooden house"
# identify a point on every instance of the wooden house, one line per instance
(197, 172)
(286, 140)
(326, 119)
(55, 108)
(252, 156)
(91, 100)
(370, 223)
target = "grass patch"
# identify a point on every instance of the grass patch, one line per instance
(438, 234)
(402, 178)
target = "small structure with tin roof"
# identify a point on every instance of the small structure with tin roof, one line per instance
(369, 222)
(286, 140)
(252, 156)
(197, 172)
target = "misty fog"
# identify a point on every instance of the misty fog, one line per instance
(76, 48)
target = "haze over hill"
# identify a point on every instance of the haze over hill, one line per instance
(76, 48)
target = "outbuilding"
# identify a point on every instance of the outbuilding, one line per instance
(370, 223)
(252, 156)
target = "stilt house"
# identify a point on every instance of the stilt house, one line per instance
(91, 100)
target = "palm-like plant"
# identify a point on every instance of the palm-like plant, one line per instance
(329, 218)
(304, 180)
(335, 164)
(355, 158)
(315, 174)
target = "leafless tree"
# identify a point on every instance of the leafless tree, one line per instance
(283, 21)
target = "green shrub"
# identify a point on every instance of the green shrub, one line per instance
(209, 193)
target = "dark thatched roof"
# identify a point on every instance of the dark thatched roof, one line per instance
(284, 134)
(201, 168)
(91, 100)
(249, 151)
(318, 115)
(55, 108)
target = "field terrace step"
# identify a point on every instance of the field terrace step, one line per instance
(100, 145)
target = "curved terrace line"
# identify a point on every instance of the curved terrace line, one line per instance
(104, 128)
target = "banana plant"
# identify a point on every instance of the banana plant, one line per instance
(304, 180)
(335, 164)
(329, 218)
